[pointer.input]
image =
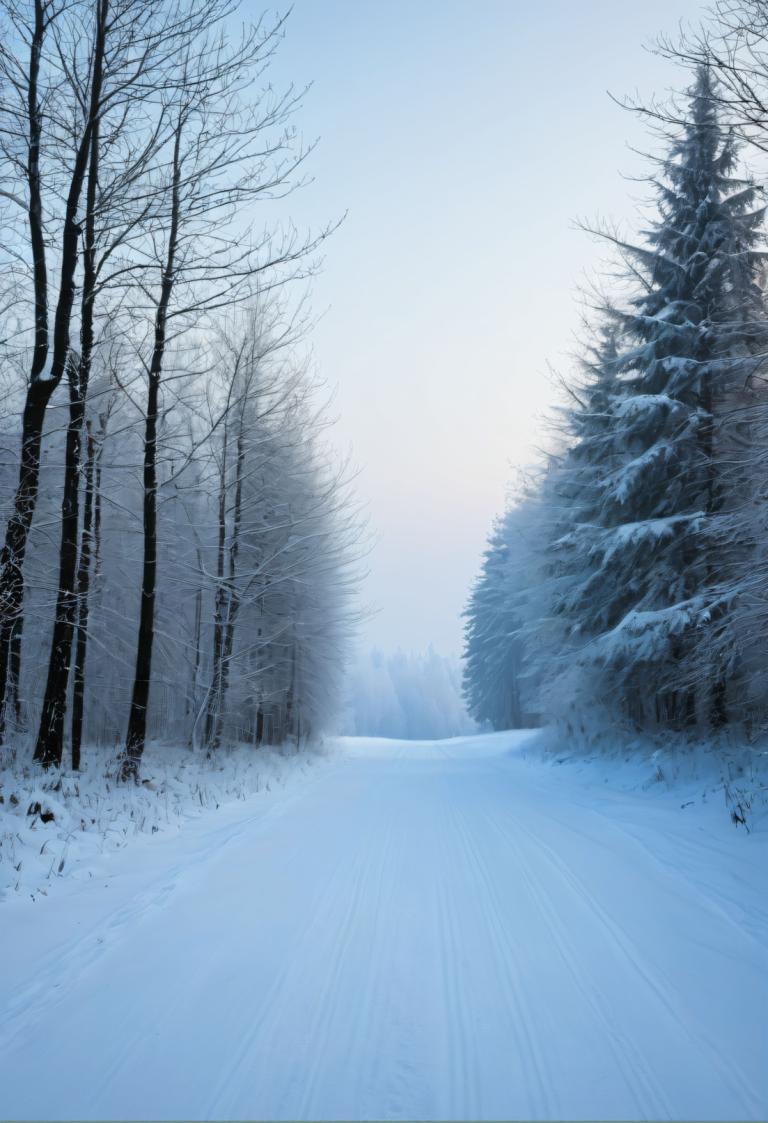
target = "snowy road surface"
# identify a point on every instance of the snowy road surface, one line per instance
(422, 931)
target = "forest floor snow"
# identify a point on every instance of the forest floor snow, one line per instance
(62, 825)
(444, 930)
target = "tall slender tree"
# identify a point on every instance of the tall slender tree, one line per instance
(27, 85)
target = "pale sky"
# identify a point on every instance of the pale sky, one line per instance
(464, 137)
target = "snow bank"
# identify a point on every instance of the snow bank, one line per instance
(66, 825)
(730, 775)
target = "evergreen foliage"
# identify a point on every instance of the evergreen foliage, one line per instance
(652, 523)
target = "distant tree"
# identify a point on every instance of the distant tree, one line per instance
(496, 684)
(407, 695)
(259, 389)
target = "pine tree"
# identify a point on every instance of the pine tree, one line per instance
(656, 530)
(566, 607)
(496, 687)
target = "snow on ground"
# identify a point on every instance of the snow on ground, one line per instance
(456, 929)
(57, 826)
(730, 776)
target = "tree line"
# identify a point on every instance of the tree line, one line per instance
(626, 585)
(405, 695)
(179, 554)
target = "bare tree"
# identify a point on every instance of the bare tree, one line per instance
(26, 86)
(229, 148)
(258, 386)
(133, 48)
(732, 44)
(136, 139)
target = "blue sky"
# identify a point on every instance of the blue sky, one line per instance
(464, 138)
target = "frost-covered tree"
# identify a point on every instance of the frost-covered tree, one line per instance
(258, 642)
(658, 512)
(279, 561)
(638, 592)
(497, 682)
(136, 137)
(565, 587)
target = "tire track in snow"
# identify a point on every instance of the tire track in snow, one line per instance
(172, 1001)
(376, 1016)
(507, 954)
(60, 972)
(462, 1060)
(321, 922)
(333, 993)
(713, 901)
(415, 950)
(737, 1082)
(637, 1072)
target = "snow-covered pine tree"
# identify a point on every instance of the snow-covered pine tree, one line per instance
(569, 512)
(652, 554)
(496, 687)
(490, 687)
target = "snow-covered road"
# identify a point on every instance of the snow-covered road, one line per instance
(423, 931)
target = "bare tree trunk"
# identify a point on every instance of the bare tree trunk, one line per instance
(233, 601)
(42, 385)
(14, 671)
(50, 739)
(220, 606)
(38, 392)
(17, 533)
(192, 702)
(137, 719)
(83, 591)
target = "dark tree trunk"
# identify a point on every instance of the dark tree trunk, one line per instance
(42, 387)
(17, 532)
(14, 672)
(220, 607)
(50, 739)
(226, 659)
(83, 592)
(137, 718)
(38, 392)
